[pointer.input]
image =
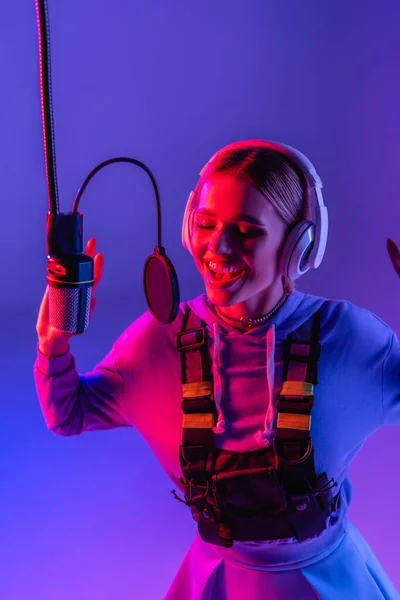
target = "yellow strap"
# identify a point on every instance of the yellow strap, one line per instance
(297, 388)
(196, 389)
(198, 421)
(294, 421)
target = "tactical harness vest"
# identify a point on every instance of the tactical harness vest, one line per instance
(267, 494)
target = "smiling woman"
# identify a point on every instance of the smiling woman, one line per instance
(226, 241)
(248, 200)
(242, 397)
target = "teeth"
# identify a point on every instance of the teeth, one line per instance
(220, 269)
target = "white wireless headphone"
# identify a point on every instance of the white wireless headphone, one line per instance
(305, 244)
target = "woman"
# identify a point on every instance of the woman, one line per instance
(247, 397)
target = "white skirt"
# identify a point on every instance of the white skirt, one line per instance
(341, 566)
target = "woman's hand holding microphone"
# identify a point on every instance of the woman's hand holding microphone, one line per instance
(53, 342)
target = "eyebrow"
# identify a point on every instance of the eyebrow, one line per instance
(242, 218)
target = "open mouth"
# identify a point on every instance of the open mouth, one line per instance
(226, 275)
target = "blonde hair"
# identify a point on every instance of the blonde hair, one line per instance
(276, 177)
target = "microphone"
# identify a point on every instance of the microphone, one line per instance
(69, 273)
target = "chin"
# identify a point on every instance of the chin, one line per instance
(244, 293)
(224, 298)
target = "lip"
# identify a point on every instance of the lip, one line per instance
(214, 284)
(218, 261)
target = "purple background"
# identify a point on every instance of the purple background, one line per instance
(169, 83)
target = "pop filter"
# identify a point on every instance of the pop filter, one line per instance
(161, 286)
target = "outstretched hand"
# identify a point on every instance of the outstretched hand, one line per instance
(394, 254)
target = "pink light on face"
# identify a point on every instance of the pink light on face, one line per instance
(235, 226)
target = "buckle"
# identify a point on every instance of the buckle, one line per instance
(289, 461)
(194, 339)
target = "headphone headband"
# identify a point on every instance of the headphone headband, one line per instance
(300, 160)
(307, 241)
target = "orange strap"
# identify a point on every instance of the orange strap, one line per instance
(294, 421)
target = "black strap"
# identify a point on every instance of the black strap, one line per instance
(301, 352)
(310, 494)
(198, 406)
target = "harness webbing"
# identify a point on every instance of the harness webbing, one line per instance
(296, 500)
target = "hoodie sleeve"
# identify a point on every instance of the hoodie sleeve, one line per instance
(107, 396)
(71, 402)
(119, 388)
(391, 383)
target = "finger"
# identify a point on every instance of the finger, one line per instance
(43, 314)
(43, 325)
(394, 254)
(98, 268)
(90, 248)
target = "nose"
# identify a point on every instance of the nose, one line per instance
(220, 242)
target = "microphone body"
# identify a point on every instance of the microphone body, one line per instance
(69, 273)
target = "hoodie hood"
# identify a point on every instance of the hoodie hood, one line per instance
(295, 311)
(241, 346)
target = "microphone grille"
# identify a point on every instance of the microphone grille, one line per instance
(65, 305)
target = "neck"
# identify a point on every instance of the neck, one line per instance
(257, 305)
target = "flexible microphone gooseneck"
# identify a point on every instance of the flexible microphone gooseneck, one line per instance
(70, 271)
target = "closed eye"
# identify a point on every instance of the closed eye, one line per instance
(248, 233)
(251, 233)
(204, 226)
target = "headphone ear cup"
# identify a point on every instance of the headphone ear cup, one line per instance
(187, 223)
(296, 249)
(189, 229)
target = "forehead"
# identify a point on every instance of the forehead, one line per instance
(230, 197)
